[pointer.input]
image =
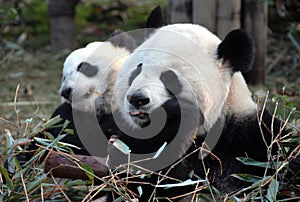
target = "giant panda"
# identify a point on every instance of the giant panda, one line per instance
(186, 82)
(87, 84)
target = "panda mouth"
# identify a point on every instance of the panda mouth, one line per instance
(140, 117)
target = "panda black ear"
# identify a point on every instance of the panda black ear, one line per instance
(238, 50)
(155, 18)
(123, 40)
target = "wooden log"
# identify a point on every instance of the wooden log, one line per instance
(218, 16)
(66, 165)
(62, 24)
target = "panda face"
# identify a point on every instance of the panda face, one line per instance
(70, 73)
(86, 73)
(172, 64)
(140, 100)
(89, 74)
(182, 62)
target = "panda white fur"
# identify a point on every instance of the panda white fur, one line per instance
(89, 73)
(191, 73)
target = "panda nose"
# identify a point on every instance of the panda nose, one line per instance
(138, 99)
(66, 93)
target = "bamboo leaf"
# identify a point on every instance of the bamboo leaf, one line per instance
(71, 183)
(121, 146)
(236, 199)
(191, 174)
(252, 162)
(140, 190)
(66, 123)
(9, 139)
(159, 150)
(37, 128)
(289, 104)
(51, 122)
(29, 120)
(44, 150)
(120, 199)
(275, 98)
(49, 135)
(9, 143)
(89, 172)
(9, 183)
(181, 184)
(36, 183)
(272, 190)
(69, 131)
(204, 197)
(256, 184)
(20, 141)
(247, 177)
(68, 145)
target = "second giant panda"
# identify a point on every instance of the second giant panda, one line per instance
(88, 77)
(181, 87)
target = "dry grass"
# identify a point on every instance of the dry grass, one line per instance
(30, 183)
(38, 75)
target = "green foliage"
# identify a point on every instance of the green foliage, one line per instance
(97, 20)
(272, 190)
(25, 16)
(22, 180)
(36, 13)
(89, 172)
(29, 179)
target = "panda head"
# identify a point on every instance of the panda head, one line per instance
(89, 74)
(184, 62)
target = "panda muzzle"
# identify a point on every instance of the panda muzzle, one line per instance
(139, 114)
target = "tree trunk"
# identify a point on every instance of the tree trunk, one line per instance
(205, 14)
(228, 16)
(254, 21)
(179, 11)
(62, 24)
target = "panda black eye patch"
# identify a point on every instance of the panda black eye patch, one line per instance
(171, 82)
(87, 69)
(135, 73)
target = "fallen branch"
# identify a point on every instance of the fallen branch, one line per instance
(25, 103)
(66, 165)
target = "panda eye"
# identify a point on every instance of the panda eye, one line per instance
(80, 67)
(87, 69)
(171, 82)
